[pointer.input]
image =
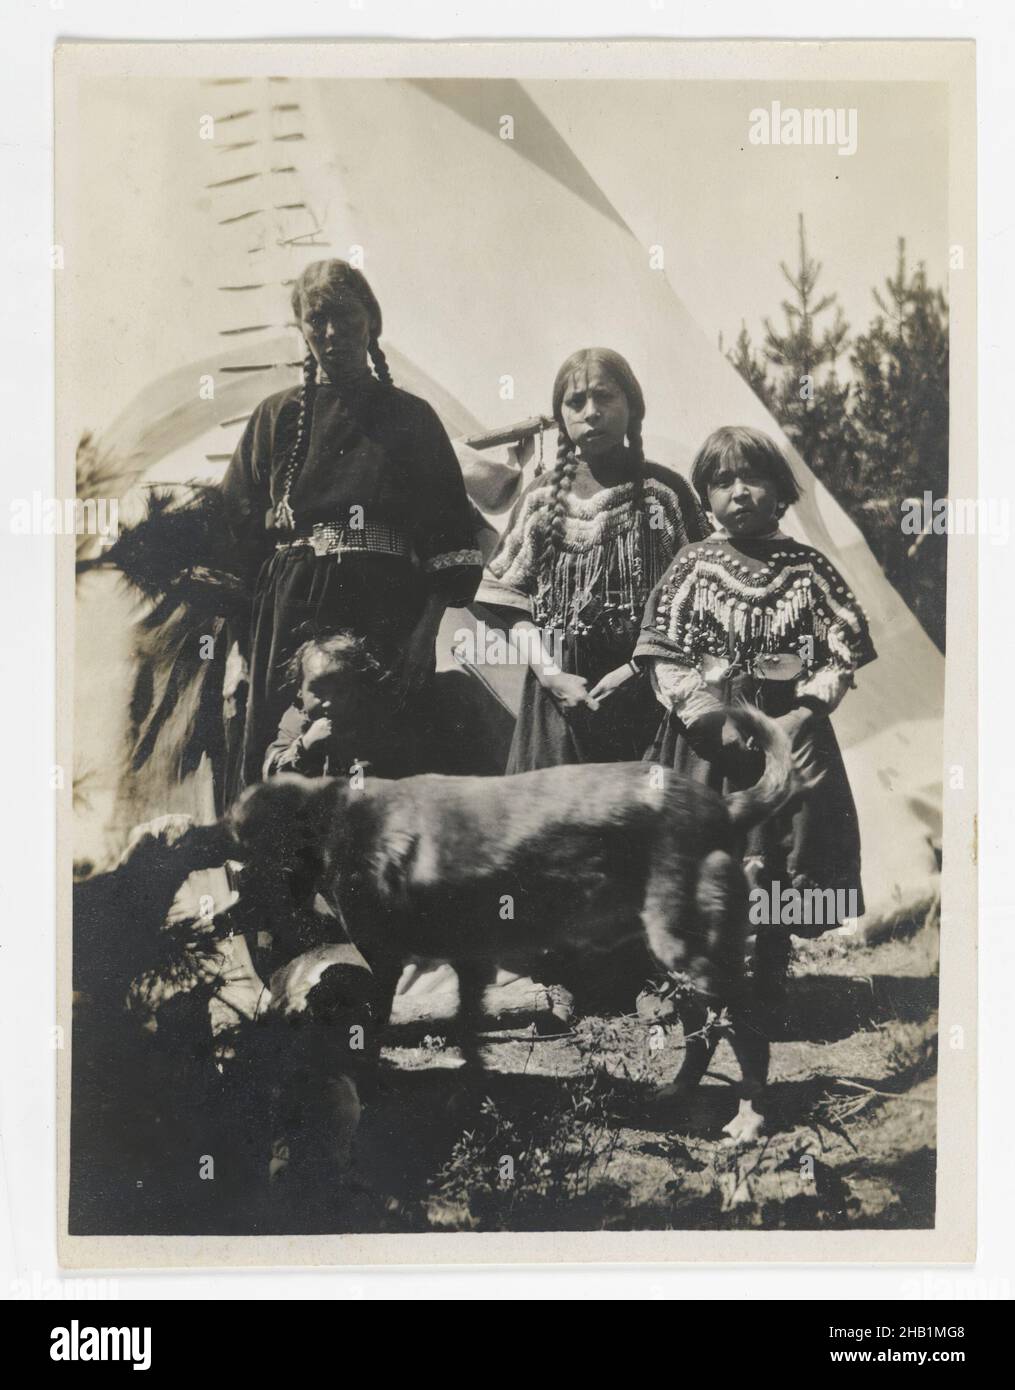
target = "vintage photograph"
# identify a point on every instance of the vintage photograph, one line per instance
(524, 513)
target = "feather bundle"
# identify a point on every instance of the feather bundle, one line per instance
(179, 557)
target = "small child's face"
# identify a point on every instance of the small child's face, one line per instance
(325, 687)
(743, 500)
(350, 700)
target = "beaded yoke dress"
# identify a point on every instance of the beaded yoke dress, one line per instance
(588, 598)
(770, 620)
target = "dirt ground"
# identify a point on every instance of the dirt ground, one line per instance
(561, 1135)
(556, 1133)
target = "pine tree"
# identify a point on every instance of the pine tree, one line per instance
(807, 397)
(900, 415)
(884, 437)
(751, 366)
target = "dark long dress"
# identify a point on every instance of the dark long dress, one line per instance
(380, 468)
(606, 538)
(733, 601)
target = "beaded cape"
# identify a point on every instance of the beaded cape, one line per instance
(741, 598)
(614, 546)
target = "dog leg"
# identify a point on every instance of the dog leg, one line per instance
(473, 978)
(700, 1043)
(386, 971)
(666, 909)
(700, 938)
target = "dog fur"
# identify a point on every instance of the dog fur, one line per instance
(473, 870)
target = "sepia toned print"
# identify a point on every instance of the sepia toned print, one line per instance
(518, 716)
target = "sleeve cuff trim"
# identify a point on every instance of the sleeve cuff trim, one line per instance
(453, 559)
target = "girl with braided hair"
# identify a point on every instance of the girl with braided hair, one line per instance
(582, 551)
(347, 502)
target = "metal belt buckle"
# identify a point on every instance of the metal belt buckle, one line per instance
(326, 539)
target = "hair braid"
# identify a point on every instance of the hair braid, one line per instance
(377, 357)
(636, 451)
(549, 536)
(563, 479)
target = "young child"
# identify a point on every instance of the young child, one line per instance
(751, 613)
(581, 552)
(332, 675)
(337, 722)
(342, 715)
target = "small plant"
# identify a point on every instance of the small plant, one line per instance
(505, 1176)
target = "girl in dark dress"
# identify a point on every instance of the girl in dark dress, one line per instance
(582, 550)
(751, 613)
(349, 507)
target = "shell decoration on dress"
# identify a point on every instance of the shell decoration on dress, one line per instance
(719, 601)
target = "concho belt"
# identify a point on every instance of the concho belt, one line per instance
(329, 538)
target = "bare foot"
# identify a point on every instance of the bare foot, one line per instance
(746, 1126)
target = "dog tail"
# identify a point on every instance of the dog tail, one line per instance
(786, 774)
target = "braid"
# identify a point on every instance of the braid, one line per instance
(301, 441)
(636, 451)
(549, 537)
(563, 479)
(308, 390)
(381, 368)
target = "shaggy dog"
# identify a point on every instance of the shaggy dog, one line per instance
(474, 869)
